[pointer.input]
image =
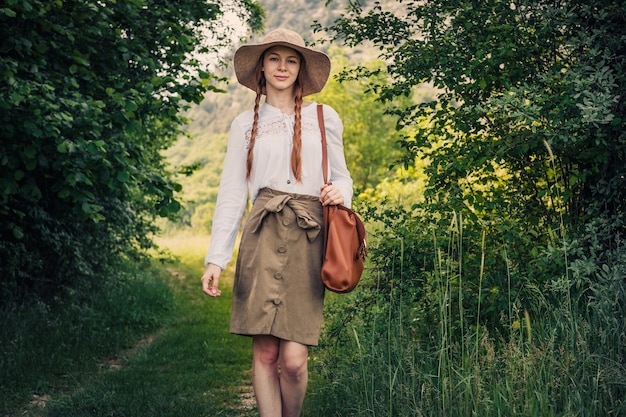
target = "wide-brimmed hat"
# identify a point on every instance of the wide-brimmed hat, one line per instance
(312, 79)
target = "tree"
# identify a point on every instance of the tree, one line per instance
(532, 87)
(526, 137)
(91, 93)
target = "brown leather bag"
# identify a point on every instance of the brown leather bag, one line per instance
(344, 237)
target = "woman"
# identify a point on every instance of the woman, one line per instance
(274, 157)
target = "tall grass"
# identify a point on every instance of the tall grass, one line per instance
(558, 350)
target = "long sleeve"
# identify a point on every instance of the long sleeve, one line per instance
(231, 199)
(339, 174)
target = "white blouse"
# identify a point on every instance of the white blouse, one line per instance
(271, 168)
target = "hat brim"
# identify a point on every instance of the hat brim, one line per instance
(313, 80)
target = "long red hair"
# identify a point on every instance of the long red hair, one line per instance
(296, 159)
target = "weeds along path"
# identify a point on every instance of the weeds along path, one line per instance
(192, 367)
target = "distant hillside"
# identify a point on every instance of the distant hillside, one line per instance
(299, 15)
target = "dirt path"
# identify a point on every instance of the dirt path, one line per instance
(191, 367)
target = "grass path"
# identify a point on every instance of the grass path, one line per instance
(191, 367)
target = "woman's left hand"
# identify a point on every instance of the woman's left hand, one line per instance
(329, 195)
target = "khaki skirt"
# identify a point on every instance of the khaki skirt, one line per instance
(278, 289)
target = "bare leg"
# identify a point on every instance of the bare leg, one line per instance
(293, 376)
(265, 351)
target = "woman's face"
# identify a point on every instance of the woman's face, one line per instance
(281, 66)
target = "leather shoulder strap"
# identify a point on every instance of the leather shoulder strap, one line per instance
(320, 120)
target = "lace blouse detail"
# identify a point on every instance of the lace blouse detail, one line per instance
(277, 127)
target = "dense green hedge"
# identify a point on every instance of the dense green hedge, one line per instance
(90, 93)
(530, 111)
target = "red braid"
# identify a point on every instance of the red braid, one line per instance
(296, 159)
(255, 123)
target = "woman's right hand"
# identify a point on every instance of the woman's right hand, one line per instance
(210, 280)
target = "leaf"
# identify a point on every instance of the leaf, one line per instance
(63, 147)
(123, 176)
(130, 105)
(30, 152)
(64, 193)
(18, 232)
(8, 12)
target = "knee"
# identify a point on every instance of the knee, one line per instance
(294, 367)
(266, 358)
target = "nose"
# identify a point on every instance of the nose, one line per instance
(282, 65)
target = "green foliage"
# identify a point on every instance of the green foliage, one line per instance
(533, 88)
(90, 94)
(370, 134)
(528, 119)
(498, 290)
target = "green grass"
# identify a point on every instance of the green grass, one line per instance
(51, 347)
(188, 366)
(156, 346)
(388, 358)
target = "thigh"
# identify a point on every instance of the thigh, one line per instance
(265, 348)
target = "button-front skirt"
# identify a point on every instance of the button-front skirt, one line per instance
(278, 290)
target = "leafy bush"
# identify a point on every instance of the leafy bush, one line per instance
(500, 290)
(90, 94)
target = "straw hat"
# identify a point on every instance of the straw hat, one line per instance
(317, 67)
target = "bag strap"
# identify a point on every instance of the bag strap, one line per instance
(320, 121)
(362, 252)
